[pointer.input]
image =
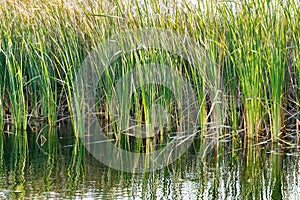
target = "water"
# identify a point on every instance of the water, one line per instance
(57, 167)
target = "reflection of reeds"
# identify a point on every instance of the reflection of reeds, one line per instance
(254, 48)
(64, 172)
(15, 160)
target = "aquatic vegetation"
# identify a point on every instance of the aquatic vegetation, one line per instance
(247, 90)
(253, 45)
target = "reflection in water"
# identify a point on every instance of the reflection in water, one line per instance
(61, 168)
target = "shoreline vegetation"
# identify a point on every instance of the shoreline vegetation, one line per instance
(255, 48)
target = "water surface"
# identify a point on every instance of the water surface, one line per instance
(55, 166)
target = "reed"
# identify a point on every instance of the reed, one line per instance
(253, 47)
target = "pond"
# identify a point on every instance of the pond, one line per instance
(53, 165)
(219, 79)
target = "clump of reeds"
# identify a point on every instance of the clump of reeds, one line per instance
(254, 46)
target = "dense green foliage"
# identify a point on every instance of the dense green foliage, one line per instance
(254, 45)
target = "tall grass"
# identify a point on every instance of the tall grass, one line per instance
(253, 46)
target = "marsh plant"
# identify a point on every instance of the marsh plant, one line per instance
(250, 93)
